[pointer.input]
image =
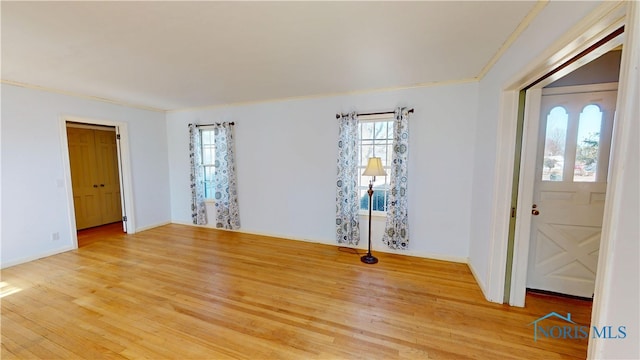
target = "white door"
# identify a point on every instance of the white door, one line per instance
(569, 191)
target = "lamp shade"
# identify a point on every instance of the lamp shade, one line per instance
(374, 168)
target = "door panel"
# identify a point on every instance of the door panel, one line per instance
(86, 201)
(569, 192)
(109, 181)
(95, 176)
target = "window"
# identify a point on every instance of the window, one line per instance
(555, 144)
(375, 138)
(572, 145)
(208, 161)
(587, 152)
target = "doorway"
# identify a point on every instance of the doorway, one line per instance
(95, 174)
(517, 277)
(117, 189)
(570, 184)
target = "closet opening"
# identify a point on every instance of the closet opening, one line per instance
(98, 184)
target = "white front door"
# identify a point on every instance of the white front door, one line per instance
(569, 191)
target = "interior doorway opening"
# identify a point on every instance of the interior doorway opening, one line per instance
(98, 176)
(95, 174)
(526, 166)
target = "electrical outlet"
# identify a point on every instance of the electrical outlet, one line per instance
(55, 236)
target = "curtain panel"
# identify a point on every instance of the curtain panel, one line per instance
(347, 206)
(225, 180)
(396, 234)
(198, 209)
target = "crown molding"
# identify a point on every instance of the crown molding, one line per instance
(79, 95)
(513, 37)
(326, 95)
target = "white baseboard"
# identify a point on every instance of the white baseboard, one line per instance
(177, 222)
(479, 282)
(428, 255)
(6, 264)
(281, 236)
(432, 256)
(148, 227)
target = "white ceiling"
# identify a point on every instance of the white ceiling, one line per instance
(177, 55)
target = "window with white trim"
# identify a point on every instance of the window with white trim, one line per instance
(375, 138)
(208, 160)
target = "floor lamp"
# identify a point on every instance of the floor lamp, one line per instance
(374, 168)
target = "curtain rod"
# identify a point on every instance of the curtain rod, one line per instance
(339, 115)
(198, 125)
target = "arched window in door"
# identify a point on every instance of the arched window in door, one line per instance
(555, 144)
(588, 144)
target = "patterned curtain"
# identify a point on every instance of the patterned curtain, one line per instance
(224, 178)
(396, 232)
(347, 207)
(198, 210)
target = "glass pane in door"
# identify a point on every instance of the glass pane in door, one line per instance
(588, 144)
(554, 144)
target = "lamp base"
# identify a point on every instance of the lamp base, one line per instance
(369, 259)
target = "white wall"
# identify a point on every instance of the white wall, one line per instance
(286, 156)
(552, 22)
(34, 198)
(617, 303)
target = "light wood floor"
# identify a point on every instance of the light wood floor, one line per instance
(192, 293)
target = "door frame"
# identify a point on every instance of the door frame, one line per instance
(527, 173)
(124, 168)
(603, 21)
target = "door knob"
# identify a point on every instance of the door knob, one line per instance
(534, 211)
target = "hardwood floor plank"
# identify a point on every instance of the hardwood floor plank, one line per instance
(195, 293)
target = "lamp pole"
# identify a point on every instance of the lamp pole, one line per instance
(374, 168)
(370, 259)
